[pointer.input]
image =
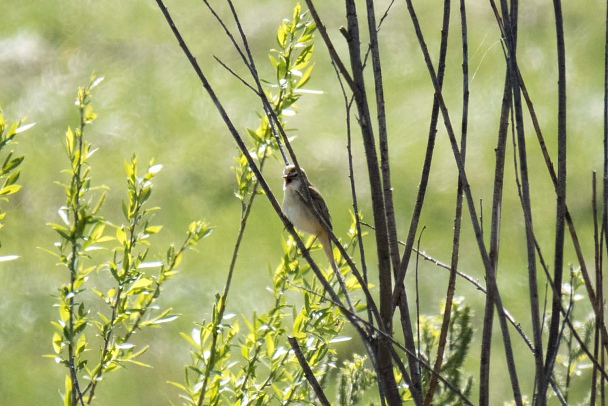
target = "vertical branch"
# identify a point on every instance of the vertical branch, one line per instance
(386, 378)
(510, 33)
(486, 339)
(223, 301)
(383, 136)
(458, 216)
(597, 245)
(347, 107)
(553, 341)
(471, 206)
(386, 305)
(604, 235)
(605, 183)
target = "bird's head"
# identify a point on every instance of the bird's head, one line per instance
(291, 175)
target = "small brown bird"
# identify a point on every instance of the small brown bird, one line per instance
(297, 208)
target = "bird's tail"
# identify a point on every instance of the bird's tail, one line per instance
(327, 247)
(326, 242)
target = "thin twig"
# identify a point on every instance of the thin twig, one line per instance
(330, 47)
(418, 296)
(395, 344)
(599, 303)
(445, 323)
(249, 62)
(554, 336)
(473, 282)
(310, 377)
(383, 136)
(224, 298)
(236, 75)
(351, 174)
(597, 252)
(510, 38)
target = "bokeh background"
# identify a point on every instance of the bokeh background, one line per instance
(152, 104)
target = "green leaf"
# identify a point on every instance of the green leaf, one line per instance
(153, 229)
(11, 164)
(273, 61)
(9, 190)
(121, 235)
(305, 77)
(141, 283)
(89, 116)
(282, 35)
(63, 231)
(67, 398)
(69, 138)
(57, 343)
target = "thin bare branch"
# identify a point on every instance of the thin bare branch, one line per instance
(310, 377)
(236, 75)
(445, 324)
(554, 336)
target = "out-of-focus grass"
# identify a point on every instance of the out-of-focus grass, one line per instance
(152, 104)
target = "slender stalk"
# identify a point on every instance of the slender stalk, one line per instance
(553, 340)
(447, 312)
(597, 252)
(310, 377)
(110, 332)
(224, 298)
(386, 377)
(605, 183)
(351, 174)
(510, 36)
(471, 205)
(488, 320)
(383, 136)
(76, 185)
(604, 235)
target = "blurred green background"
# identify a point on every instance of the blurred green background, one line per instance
(152, 104)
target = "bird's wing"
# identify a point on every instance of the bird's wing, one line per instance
(320, 205)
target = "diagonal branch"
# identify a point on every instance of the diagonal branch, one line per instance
(310, 377)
